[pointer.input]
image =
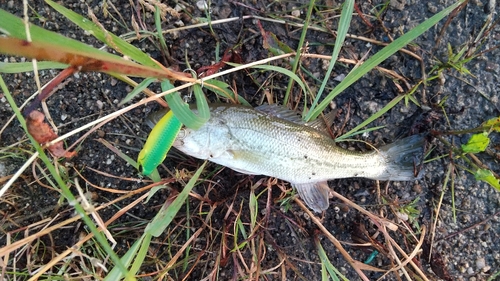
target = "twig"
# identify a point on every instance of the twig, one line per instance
(468, 228)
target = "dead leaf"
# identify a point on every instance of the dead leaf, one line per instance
(43, 134)
(229, 56)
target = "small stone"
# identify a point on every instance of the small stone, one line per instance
(470, 271)
(99, 104)
(402, 216)
(339, 78)
(110, 160)
(3, 170)
(202, 5)
(397, 4)
(480, 263)
(296, 13)
(371, 106)
(491, 67)
(179, 7)
(432, 8)
(64, 116)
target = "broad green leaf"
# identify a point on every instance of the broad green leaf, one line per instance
(477, 143)
(487, 176)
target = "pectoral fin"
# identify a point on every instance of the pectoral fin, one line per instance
(315, 194)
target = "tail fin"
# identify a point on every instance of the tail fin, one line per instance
(404, 159)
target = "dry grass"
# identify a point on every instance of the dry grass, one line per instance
(214, 236)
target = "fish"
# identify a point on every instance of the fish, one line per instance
(273, 141)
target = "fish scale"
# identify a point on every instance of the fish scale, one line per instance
(258, 141)
(282, 149)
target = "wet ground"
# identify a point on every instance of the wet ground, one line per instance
(464, 249)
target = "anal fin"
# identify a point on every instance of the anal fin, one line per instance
(315, 194)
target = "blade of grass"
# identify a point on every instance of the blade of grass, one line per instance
(66, 192)
(166, 214)
(367, 130)
(137, 90)
(222, 89)
(344, 23)
(17, 67)
(141, 253)
(13, 26)
(326, 264)
(302, 39)
(115, 273)
(109, 38)
(138, 252)
(93, 60)
(380, 56)
(284, 71)
(50, 46)
(161, 38)
(379, 113)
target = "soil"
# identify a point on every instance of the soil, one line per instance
(467, 248)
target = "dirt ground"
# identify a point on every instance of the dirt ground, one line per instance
(467, 248)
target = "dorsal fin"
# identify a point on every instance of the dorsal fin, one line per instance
(324, 123)
(281, 112)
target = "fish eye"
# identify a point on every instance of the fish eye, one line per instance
(182, 134)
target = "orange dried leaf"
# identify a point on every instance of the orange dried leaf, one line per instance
(43, 133)
(229, 56)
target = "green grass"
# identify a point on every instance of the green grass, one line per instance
(167, 245)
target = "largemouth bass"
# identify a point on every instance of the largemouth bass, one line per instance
(273, 141)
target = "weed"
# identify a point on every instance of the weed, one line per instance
(203, 235)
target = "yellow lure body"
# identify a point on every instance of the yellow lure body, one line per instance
(159, 142)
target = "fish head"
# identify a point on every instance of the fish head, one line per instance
(211, 141)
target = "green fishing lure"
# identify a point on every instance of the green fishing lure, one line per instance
(159, 142)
